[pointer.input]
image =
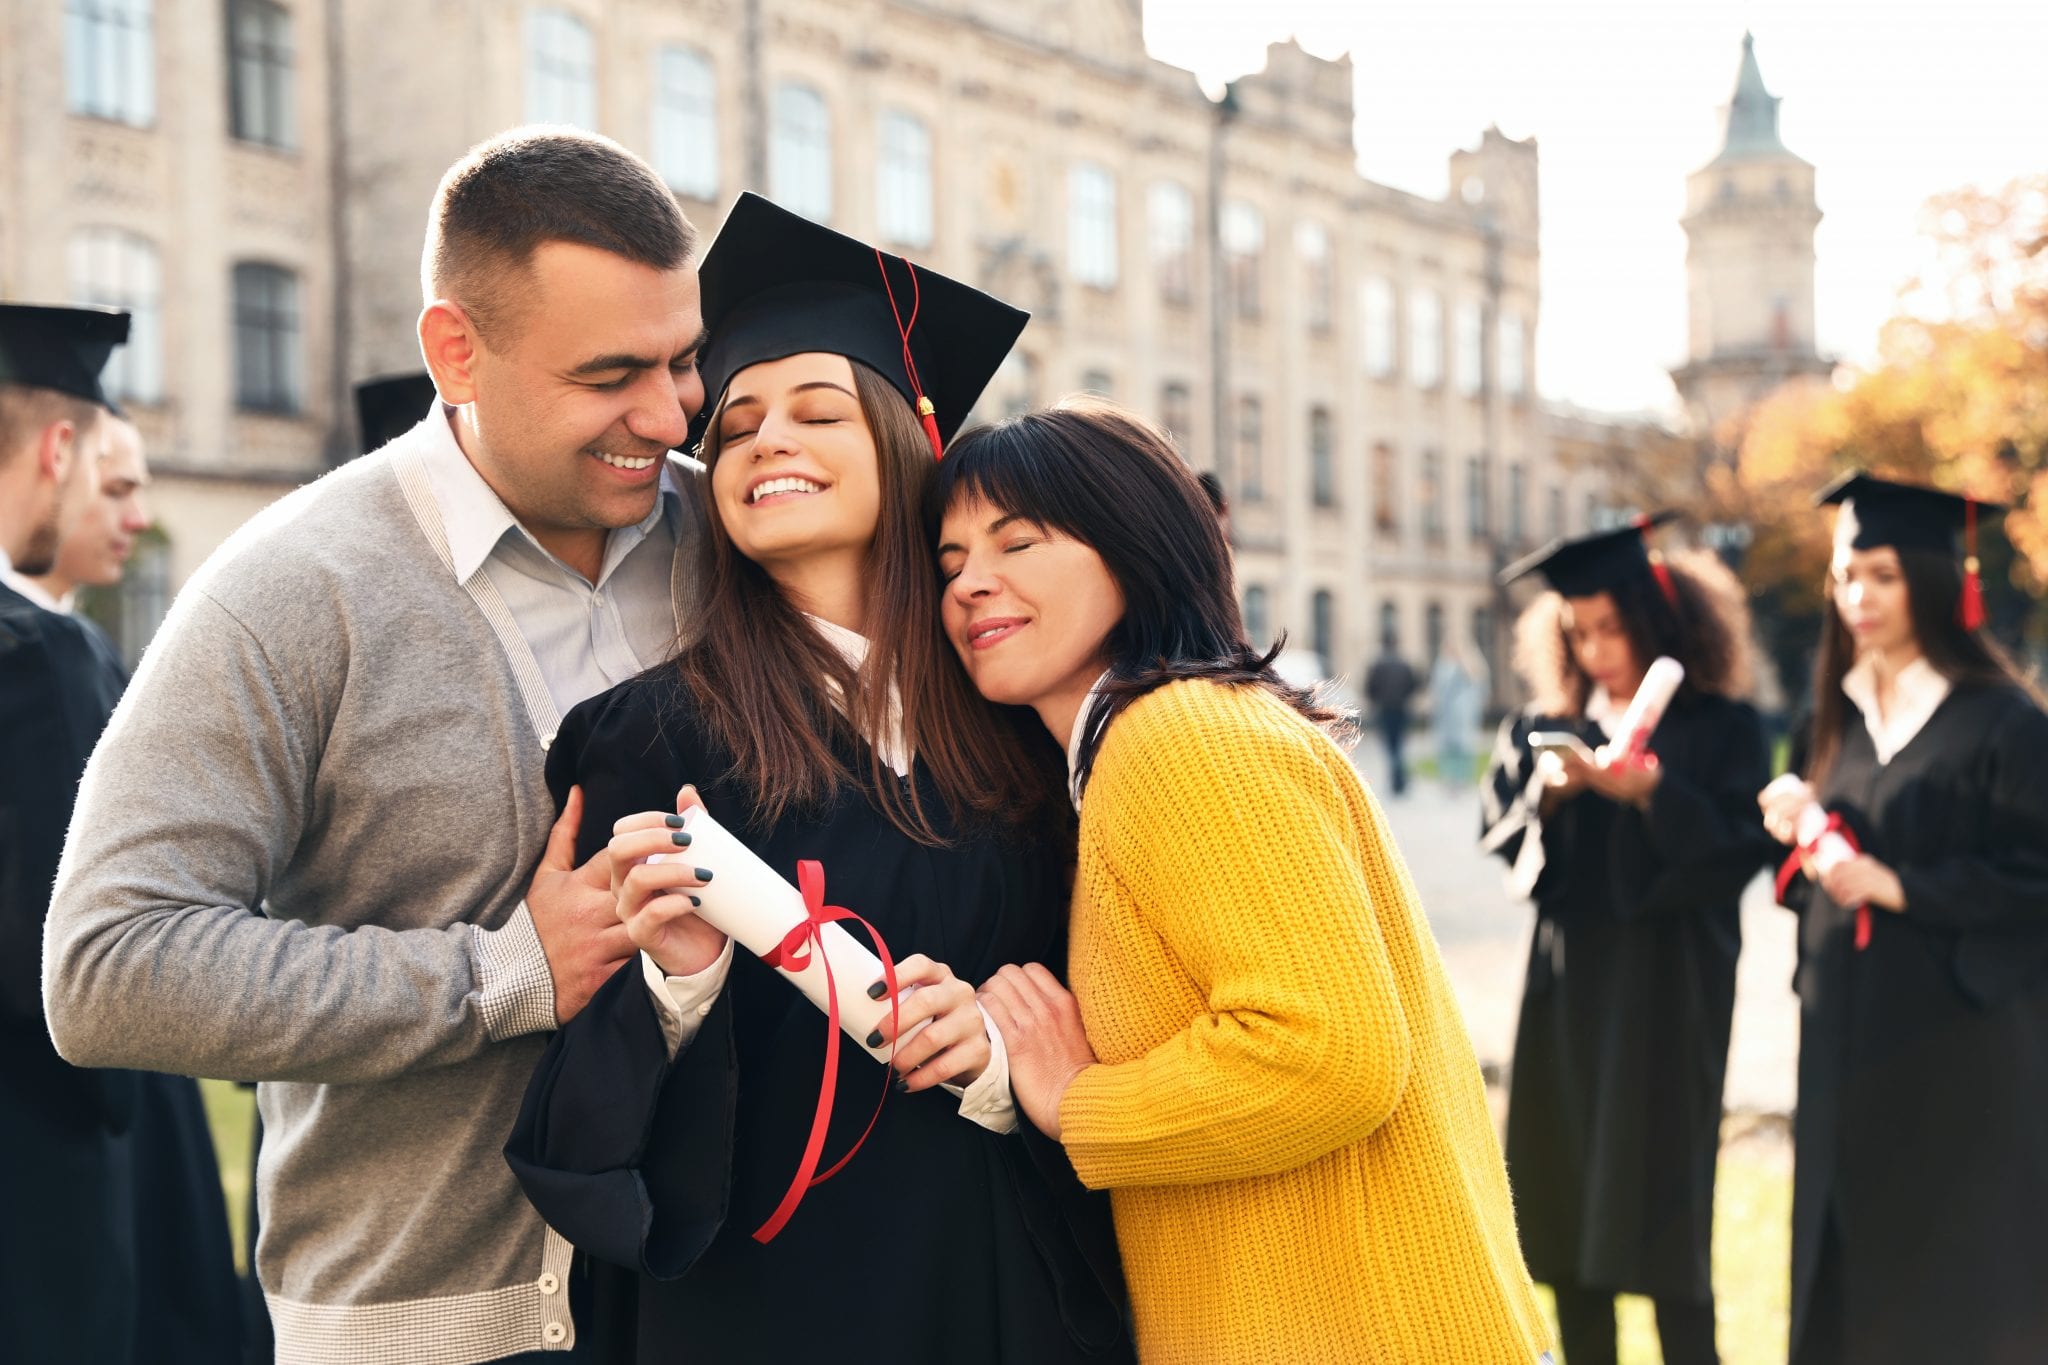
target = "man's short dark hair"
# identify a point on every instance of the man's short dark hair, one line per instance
(522, 188)
(26, 411)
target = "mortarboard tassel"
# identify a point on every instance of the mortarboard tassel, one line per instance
(926, 413)
(1970, 610)
(1657, 564)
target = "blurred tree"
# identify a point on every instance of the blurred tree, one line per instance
(1957, 397)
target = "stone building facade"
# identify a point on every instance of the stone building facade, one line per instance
(1355, 361)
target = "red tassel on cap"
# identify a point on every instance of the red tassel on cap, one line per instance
(1657, 564)
(927, 415)
(1970, 610)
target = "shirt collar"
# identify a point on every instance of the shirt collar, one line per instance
(853, 647)
(477, 519)
(1917, 691)
(31, 589)
(1084, 724)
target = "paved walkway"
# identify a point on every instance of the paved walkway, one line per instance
(1484, 936)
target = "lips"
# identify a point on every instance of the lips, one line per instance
(993, 631)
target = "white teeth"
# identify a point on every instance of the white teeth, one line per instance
(992, 630)
(626, 461)
(786, 485)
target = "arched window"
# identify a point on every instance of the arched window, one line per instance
(268, 361)
(261, 100)
(110, 59)
(686, 122)
(561, 69)
(1170, 211)
(800, 157)
(1091, 225)
(904, 180)
(110, 268)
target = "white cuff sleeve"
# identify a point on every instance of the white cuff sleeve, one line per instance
(681, 1002)
(516, 989)
(988, 1100)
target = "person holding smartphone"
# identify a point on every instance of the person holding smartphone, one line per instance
(1635, 858)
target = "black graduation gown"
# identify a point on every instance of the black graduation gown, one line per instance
(1614, 1109)
(941, 1242)
(1922, 1129)
(115, 1244)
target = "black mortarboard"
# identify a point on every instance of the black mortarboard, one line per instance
(391, 405)
(1908, 516)
(776, 284)
(60, 348)
(1581, 566)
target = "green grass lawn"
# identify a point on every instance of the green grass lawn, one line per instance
(1752, 1232)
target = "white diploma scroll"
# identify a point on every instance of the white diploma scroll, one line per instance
(755, 905)
(1825, 849)
(1659, 685)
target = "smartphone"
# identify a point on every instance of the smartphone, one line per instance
(1560, 742)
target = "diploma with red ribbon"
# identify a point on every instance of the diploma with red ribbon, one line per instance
(793, 930)
(1630, 746)
(1825, 842)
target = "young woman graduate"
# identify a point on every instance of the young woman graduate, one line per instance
(819, 717)
(1286, 1109)
(1920, 1190)
(1636, 869)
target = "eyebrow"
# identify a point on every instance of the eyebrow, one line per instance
(993, 527)
(745, 398)
(619, 360)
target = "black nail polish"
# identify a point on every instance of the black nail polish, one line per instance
(878, 990)
(875, 1038)
(673, 821)
(703, 874)
(903, 1084)
(680, 839)
(695, 901)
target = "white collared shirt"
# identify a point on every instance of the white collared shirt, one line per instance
(1078, 736)
(682, 1002)
(585, 636)
(33, 590)
(1917, 691)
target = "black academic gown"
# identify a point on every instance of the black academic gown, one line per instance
(941, 1242)
(114, 1244)
(1922, 1131)
(1614, 1111)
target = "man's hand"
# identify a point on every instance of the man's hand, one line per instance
(574, 915)
(1048, 1047)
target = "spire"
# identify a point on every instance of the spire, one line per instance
(1752, 113)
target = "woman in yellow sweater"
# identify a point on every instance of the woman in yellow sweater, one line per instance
(1262, 1059)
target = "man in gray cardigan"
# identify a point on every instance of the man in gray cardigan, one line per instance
(304, 854)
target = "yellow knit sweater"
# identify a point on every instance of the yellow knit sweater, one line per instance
(1287, 1112)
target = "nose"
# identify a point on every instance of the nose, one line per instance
(134, 516)
(973, 583)
(658, 414)
(776, 436)
(1853, 594)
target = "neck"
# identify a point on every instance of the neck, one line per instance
(1889, 662)
(56, 584)
(580, 547)
(16, 500)
(827, 586)
(1060, 711)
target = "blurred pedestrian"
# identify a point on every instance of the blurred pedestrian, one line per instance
(1458, 685)
(1636, 869)
(1920, 1183)
(1390, 688)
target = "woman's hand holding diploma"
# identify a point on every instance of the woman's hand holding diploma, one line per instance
(954, 1046)
(653, 878)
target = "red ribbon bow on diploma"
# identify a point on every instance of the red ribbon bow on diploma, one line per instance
(793, 954)
(1790, 869)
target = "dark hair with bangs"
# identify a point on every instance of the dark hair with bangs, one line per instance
(1106, 477)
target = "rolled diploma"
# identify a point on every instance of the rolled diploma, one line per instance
(754, 904)
(1830, 849)
(1660, 684)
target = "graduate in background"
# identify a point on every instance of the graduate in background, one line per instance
(113, 1240)
(820, 716)
(1614, 1112)
(1920, 1194)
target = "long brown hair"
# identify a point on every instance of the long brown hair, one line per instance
(1111, 480)
(1707, 631)
(1934, 584)
(762, 677)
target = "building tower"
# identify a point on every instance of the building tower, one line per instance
(1749, 220)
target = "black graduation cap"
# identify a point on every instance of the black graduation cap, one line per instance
(1580, 566)
(1909, 516)
(776, 284)
(64, 349)
(391, 405)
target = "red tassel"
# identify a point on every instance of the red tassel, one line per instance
(930, 419)
(1970, 610)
